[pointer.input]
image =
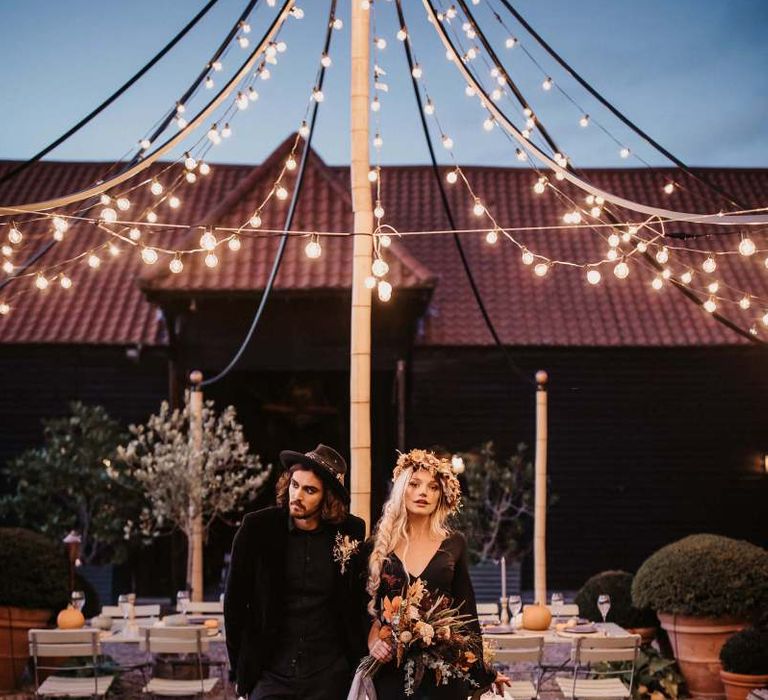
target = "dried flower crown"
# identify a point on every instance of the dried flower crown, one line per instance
(439, 468)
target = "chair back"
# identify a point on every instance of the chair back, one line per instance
(63, 643)
(564, 610)
(488, 612)
(511, 649)
(138, 611)
(205, 607)
(175, 640)
(592, 649)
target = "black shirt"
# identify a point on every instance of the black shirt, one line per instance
(309, 638)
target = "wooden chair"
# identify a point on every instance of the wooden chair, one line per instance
(509, 650)
(189, 641)
(588, 650)
(488, 612)
(564, 610)
(71, 644)
(203, 608)
(139, 611)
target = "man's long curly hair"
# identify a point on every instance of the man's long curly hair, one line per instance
(333, 510)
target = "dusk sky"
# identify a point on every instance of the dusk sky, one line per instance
(693, 74)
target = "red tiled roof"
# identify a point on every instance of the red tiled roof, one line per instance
(107, 306)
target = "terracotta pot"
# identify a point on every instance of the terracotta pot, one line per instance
(15, 624)
(646, 634)
(739, 685)
(696, 643)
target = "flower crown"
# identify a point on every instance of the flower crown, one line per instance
(439, 468)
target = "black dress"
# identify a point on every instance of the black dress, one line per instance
(448, 573)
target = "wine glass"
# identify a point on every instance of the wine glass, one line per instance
(124, 602)
(515, 606)
(557, 604)
(77, 598)
(604, 604)
(182, 602)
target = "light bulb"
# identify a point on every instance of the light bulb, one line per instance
(281, 193)
(105, 199)
(174, 202)
(641, 246)
(594, 276)
(15, 236)
(271, 51)
(747, 247)
(527, 257)
(370, 282)
(451, 177)
(226, 132)
(8, 267)
(209, 83)
(626, 237)
(114, 251)
(94, 261)
(417, 71)
(385, 241)
(41, 282)
(385, 290)
(255, 221)
(5, 308)
(211, 260)
(246, 28)
(662, 255)
(378, 212)
(134, 234)
(447, 142)
(710, 306)
(547, 84)
(496, 94)
(472, 54)
(378, 142)
(213, 135)
(666, 273)
(478, 209)
(108, 214)
(156, 188)
(614, 240)
(621, 270)
(281, 47)
(123, 203)
(65, 282)
(491, 237)
(541, 269)
(598, 199)
(712, 287)
(469, 91)
(208, 241)
(190, 178)
(181, 123)
(304, 130)
(242, 101)
(243, 41)
(686, 277)
(624, 152)
(745, 302)
(511, 42)
(530, 123)
(402, 35)
(290, 164)
(375, 104)
(381, 43)
(7, 250)
(584, 121)
(429, 107)
(560, 175)
(669, 188)
(252, 94)
(595, 212)
(149, 256)
(234, 244)
(317, 95)
(338, 23)
(325, 61)
(657, 283)
(217, 65)
(145, 144)
(264, 73)
(540, 186)
(612, 254)
(151, 217)
(313, 250)
(180, 108)
(521, 155)
(372, 176)
(709, 265)
(764, 319)
(379, 267)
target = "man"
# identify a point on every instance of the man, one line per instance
(294, 610)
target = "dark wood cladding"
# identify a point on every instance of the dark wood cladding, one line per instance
(646, 445)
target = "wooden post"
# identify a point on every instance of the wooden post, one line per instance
(362, 208)
(195, 543)
(540, 502)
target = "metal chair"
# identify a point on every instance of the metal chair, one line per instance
(587, 650)
(72, 644)
(508, 650)
(190, 641)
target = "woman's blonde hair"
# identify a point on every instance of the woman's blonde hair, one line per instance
(392, 529)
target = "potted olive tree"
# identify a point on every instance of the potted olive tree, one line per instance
(745, 662)
(704, 589)
(33, 587)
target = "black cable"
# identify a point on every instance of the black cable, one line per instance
(447, 208)
(603, 101)
(288, 221)
(676, 284)
(23, 166)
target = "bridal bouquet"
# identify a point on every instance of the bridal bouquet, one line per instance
(426, 633)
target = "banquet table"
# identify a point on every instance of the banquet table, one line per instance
(552, 636)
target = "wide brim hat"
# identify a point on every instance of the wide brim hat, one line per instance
(325, 462)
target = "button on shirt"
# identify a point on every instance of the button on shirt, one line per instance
(308, 639)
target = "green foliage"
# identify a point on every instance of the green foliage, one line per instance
(497, 512)
(70, 483)
(618, 585)
(34, 571)
(704, 576)
(747, 652)
(656, 677)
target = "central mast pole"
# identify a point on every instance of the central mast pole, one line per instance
(362, 208)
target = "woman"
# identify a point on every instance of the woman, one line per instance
(412, 541)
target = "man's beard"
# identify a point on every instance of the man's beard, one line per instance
(303, 514)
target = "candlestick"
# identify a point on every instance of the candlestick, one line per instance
(504, 610)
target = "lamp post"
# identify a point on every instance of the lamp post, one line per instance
(72, 543)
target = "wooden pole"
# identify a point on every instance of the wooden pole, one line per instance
(195, 544)
(540, 502)
(362, 208)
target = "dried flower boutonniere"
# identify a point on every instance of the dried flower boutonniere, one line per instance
(343, 550)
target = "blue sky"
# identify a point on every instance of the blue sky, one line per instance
(691, 73)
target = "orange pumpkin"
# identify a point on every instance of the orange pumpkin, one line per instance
(536, 617)
(70, 619)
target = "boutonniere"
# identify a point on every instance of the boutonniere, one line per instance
(343, 550)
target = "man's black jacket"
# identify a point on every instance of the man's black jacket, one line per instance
(252, 605)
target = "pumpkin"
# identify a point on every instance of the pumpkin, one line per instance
(70, 619)
(536, 617)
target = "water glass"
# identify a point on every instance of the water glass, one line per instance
(604, 604)
(77, 598)
(515, 606)
(557, 604)
(182, 602)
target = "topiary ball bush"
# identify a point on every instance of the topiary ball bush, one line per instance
(704, 576)
(34, 572)
(746, 652)
(618, 585)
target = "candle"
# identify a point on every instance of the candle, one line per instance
(503, 577)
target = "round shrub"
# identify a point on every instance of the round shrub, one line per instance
(746, 652)
(618, 585)
(704, 576)
(35, 571)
